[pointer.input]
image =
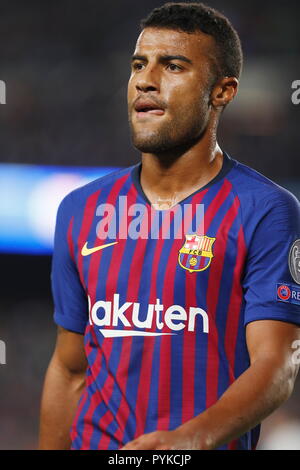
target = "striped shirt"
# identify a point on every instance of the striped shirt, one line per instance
(163, 297)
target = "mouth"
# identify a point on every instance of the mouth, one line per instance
(157, 112)
(145, 109)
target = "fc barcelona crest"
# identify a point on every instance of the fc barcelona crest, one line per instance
(196, 253)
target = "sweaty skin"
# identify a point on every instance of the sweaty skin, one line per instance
(64, 383)
(179, 149)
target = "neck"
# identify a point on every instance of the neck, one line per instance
(169, 178)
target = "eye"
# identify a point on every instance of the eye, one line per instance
(137, 65)
(174, 67)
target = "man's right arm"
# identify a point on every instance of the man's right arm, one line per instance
(64, 383)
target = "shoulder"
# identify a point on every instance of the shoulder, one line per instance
(257, 192)
(77, 199)
(267, 210)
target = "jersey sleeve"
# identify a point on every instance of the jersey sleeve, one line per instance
(70, 300)
(270, 290)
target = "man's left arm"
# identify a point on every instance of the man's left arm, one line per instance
(262, 388)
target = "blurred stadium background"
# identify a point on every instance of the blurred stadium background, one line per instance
(66, 66)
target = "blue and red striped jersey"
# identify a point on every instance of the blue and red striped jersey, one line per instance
(163, 297)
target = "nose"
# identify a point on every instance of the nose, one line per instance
(147, 80)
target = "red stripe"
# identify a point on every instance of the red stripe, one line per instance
(216, 203)
(184, 259)
(233, 314)
(93, 278)
(203, 260)
(88, 215)
(70, 239)
(189, 338)
(234, 308)
(88, 425)
(74, 430)
(233, 445)
(214, 280)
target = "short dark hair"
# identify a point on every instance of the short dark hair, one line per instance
(194, 16)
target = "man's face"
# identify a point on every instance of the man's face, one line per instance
(169, 88)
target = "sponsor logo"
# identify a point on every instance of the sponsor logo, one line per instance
(294, 261)
(89, 251)
(196, 253)
(288, 293)
(129, 319)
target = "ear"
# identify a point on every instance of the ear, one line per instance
(224, 91)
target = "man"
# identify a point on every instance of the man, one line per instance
(174, 339)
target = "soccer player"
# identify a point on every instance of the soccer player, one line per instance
(176, 280)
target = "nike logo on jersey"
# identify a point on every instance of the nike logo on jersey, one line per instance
(89, 251)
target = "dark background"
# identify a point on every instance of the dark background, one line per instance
(66, 66)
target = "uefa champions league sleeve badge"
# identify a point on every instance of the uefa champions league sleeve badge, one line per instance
(294, 261)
